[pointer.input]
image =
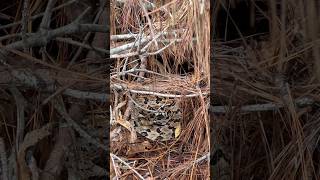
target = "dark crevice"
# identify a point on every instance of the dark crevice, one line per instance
(244, 19)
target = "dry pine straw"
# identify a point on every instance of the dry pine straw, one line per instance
(169, 159)
(177, 159)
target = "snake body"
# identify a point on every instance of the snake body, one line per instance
(155, 117)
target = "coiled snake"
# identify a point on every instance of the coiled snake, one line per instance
(155, 117)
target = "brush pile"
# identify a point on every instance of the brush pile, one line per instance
(265, 80)
(160, 48)
(53, 89)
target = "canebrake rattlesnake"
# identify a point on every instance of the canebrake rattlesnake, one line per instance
(156, 117)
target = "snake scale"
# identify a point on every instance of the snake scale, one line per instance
(155, 117)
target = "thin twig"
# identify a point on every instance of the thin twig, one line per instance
(82, 45)
(128, 46)
(46, 19)
(121, 37)
(25, 19)
(35, 60)
(133, 70)
(81, 16)
(149, 22)
(138, 39)
(122, 87)
(86, 36)
(32, 80)
(115, 168)
(40, 39)
(160, 50)
(144, 49)
(38, 15)
(125, 163)
(126, 55)
(59, 106)
(261, 107)
(14, 36)
(103, 97)
(166, 95)
(21, 103)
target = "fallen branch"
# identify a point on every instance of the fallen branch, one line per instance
(20, 103)
(59, 106)
(42, 37)
(38, 15)
(82, 45)
(261, 107)
(45, 80)
(123, 87)
(63, 143)
(31, 139)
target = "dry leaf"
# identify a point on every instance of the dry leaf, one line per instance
(177, 131)
(138, 148)
(128, 125)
